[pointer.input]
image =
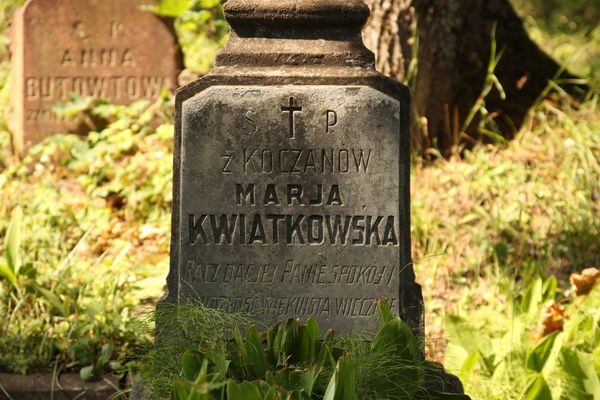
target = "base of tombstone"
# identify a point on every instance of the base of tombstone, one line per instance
(65, 386)
(140, 390)
(438, 379)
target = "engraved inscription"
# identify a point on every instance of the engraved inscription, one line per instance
(109, 49)
(90, 58)
(291, 109)
(302, 161)
(279, 224)
(116, 29)
(291, 272)
(297, 306)
(330, 120)
(289, 229)
(115, 87)
(250, 121)
(79, 30)
(41, 115)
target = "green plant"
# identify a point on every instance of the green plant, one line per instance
(201, 28)
(291, 361)
(544, 352)
(68, 292)
(66, 317)
(12, 244)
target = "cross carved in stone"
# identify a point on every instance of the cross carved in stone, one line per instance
(291, 109)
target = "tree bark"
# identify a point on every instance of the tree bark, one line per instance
(448, 43)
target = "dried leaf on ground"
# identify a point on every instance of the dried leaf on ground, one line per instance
(553, 318)
(583, 283)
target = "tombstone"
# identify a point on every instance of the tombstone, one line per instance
(108, 49)
(291, 173)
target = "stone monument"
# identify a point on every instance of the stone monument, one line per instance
(291, 173)
(108, 49)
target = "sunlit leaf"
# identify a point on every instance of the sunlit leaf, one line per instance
(582, 377)
(537, 389)
(54, 300)
(171, 8)
(12, 241)
(537, 357)
(8, 274)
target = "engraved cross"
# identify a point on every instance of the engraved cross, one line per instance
(291, 109)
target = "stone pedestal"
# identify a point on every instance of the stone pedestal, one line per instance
(291, 174)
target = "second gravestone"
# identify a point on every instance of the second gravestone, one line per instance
(291, 185)
(108, 49)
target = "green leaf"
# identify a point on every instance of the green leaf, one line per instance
(103, 360)
(398, 336)
(54, 300)
(549, 289)
(255, 353)
(192, 363)
(537, 357)
(181, 389)
(325, 357)
(220, 362)
(12, 242)
(293, 380)
(171, 8)
(385, 312)
(107, 351)
(342, 385)
(306, 344)
(77, 105)
(537, 389)
(275, 339)
(461, 333)
(533, 297)
(469, 365)
(8, 274)
(290, 337)
(581, 375)
(243, 391)
(455, 357)
(88, 374)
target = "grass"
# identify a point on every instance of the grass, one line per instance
(487, 226)
(568, 30)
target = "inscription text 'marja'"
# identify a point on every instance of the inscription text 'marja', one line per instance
(316, 228)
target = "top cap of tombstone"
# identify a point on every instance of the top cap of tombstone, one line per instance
(296, 32)
(297, 13)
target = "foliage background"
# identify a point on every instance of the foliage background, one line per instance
(493, 228)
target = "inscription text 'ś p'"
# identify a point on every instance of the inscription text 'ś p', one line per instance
(291, 109)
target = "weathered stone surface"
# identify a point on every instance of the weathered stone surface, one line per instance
(291, 174)
(101, 48)
(290, 202)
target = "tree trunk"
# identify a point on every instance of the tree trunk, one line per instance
(442, 48)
